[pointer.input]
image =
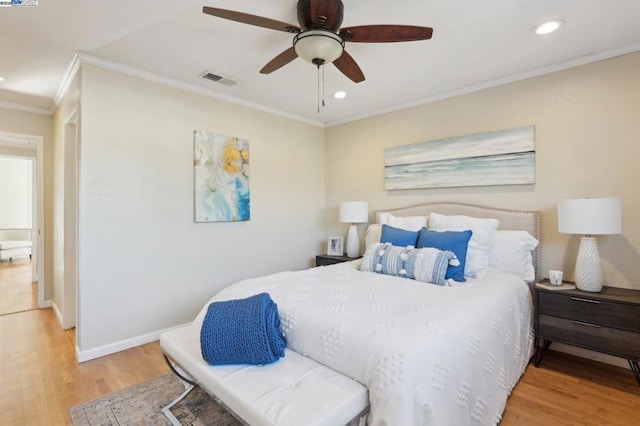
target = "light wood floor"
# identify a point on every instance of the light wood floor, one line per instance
(17, 292)
(567, 390)
(40, 380)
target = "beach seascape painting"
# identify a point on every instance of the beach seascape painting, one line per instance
(504, 157)
(221, 178)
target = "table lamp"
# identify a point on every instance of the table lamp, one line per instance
(353, 212)
(589, 216)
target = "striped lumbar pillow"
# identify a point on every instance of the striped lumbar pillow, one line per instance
(424, 264)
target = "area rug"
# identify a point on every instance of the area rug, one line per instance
(142, 405)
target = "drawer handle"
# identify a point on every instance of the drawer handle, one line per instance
(586, 323)
(580, 299)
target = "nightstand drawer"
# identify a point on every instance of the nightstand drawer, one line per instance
(326, 260)
(600, 312)
(604, 339)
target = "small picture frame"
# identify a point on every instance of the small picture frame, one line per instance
(334, 246)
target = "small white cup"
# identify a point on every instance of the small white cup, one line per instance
(555, 277)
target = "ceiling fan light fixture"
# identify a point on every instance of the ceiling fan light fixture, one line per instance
(318, 44)
(340, 94)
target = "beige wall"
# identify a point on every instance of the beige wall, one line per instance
(144, 265)
(38, 125)
(27, 123)
(587, 124)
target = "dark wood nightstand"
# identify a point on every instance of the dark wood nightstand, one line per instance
(325, 259)
(607, 322)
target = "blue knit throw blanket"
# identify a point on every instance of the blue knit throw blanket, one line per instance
(244, 331)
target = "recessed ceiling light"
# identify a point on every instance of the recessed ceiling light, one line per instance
(1, 78)
(340, 94)
(548, 27)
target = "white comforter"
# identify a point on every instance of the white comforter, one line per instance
(428, 354)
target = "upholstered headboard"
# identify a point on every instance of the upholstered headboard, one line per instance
(510, 220)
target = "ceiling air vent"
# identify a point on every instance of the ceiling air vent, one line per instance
(218, 78)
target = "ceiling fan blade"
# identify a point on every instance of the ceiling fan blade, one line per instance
(279, 61)
(385, 33)
(245, 18)
(347, 65)
(327, 13)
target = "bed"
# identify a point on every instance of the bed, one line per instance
(428, 354)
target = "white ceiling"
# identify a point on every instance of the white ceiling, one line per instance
(475, 44)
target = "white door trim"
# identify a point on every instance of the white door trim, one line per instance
(70, 218)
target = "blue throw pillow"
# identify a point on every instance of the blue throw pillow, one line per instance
(455, 241)
(398, 237)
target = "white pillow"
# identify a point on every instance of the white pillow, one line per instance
(477, 261)
(409, 223)
(511, 252)
(374, 233)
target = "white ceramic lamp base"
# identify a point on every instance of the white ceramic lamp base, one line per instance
(353, 241)
(588, 271)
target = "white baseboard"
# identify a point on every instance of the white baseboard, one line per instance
(89, 354)
(46, 304)
(57, 312)
(594, 356)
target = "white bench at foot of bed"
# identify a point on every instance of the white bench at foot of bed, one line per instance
(295, 390)
(11, 249)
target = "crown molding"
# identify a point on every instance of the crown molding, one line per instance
(80, 58)
(69, 76)
(560, 66)
(155, 78)
(24, 108)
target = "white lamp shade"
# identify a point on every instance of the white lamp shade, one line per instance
(354, 212)
(590, 216)
(318, 44)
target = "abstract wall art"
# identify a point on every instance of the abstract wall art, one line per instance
(221, 177)
(504, 157)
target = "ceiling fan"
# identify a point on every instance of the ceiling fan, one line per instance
(319, 39)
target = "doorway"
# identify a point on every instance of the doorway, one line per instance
(22, 285)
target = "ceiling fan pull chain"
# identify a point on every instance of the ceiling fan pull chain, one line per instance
(318, 75)
(323, 85)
